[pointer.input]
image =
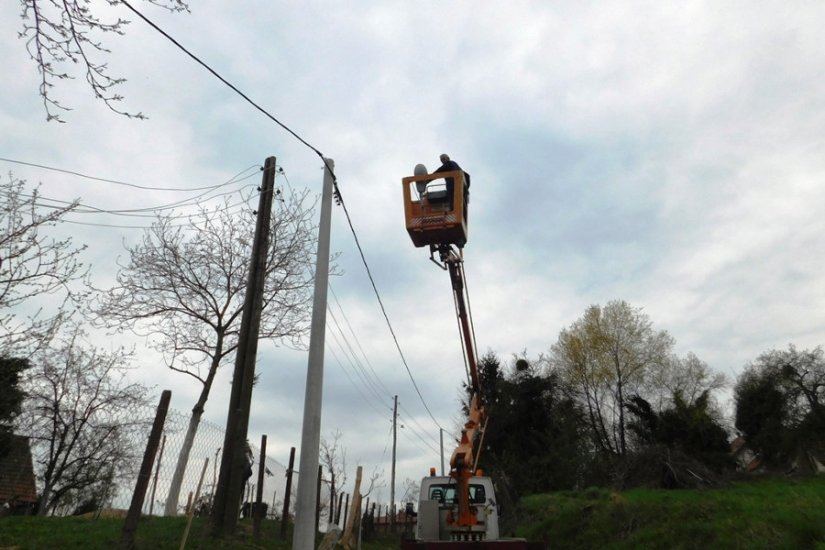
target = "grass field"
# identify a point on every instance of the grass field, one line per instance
(769, 513)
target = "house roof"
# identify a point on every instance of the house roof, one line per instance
(17, 484)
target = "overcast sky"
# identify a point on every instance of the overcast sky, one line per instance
(668, 156)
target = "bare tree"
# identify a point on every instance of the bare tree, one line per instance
(333, 456)
(66, 33)
(411, 489)
(78, 413)
(33, 266)
(184, 286)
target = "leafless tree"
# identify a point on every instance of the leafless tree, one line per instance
(78, 413)
(33, 266)
(184, 287)
(333, 457)
(411, 488)
(64, 35)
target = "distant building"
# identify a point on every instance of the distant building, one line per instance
(18, 492)
(809, 459)
(746, 458)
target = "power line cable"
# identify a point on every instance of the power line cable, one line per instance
(354, 359)
(357, 341)
(415, 432)
(361, 375)
(139, 212)
(106, 180)
(222, 79)
(367, 400)
(414, 421)
(417, 441)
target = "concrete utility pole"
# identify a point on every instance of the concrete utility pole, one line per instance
(392, 476)
(304, 536)
(441, 439)
(230, 482)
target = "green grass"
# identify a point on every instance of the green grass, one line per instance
(155, 533)
(773, 514)
(768, 513)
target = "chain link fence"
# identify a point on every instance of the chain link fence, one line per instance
(208, 444)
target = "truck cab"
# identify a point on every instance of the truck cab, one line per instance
(438, 509)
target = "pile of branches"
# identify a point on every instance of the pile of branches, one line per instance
(661, 467)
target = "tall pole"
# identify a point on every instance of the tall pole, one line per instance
(230, 481)
(441, 439)
(304, 537)
(392, 482)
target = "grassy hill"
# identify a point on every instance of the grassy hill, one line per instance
(768, 513)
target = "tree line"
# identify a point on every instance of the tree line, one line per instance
(610, 404)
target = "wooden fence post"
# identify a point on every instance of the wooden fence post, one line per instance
(127, 536)
(258, 513)
(288, 492)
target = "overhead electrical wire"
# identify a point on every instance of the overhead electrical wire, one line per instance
(52, 203)
(136, 186)
(338, 195)
(418, 441)
(367, 399)
(368, 381)
(414, 421)
(408, 425)
(357, 341)
(356, 369)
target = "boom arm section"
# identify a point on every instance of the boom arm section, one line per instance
(464, 459)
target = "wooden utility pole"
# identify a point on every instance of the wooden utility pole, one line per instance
(230, 482)
(392, 479)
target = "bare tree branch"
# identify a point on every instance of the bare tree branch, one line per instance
(64, 32)
(184, 286)
(78, 413)
(33, 265)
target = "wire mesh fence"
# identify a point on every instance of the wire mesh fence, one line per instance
(207, 444)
